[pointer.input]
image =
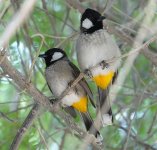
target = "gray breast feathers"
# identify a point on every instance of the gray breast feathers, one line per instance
(93, 48)
(58, 77)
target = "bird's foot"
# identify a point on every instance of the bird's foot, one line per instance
(70, 84)
(104, 64)
(88, 73)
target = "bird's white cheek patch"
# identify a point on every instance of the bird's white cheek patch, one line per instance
(87, 24)
(56, 56)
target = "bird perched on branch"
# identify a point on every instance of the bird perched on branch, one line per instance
(95, 46)
(60, 73)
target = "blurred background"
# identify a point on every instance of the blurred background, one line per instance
(55, 23)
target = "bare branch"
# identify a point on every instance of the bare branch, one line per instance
(2, 115)
(16, 22)
(76, 5)
(26, 124)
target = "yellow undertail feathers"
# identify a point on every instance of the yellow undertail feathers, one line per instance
(81, 105)
(103, 81)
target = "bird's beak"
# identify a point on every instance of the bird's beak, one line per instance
(42, 56)
(101, 18)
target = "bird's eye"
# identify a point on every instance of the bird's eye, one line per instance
(87, 24)
(56, 56)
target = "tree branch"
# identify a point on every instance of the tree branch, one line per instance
(17, 21)
(76, 5)
(26, 124)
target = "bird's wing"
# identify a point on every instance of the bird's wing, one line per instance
(83, 83)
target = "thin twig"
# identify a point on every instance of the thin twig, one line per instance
(26, 124)
(42, 137)
(136, 139)
(17, 21)
(4, 116)
(75, 4)
(34, 60)
(63, 140)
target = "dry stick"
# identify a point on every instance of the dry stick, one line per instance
(62, 42)
(10, 102)
(133, 20)
(50, 17)
(20, 108)
(42, 138)
(26, 124)
(76, 5)
(150, 132)
(136, 139)
(34, 60)
(4, 116)
(63, 140)
(79, 132)
(152, 124)
(130, 121)
(20, 80)
(4, 11)
(108, 6)
(42, 35)
(2, 53)
(136, 50)
(71, 26)
(66, 19)
(17, 21)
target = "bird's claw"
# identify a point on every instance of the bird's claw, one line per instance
(104, 64)
(70, 84)
(88, 73)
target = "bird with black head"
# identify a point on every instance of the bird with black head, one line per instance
(60, 73)
(95, 46)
